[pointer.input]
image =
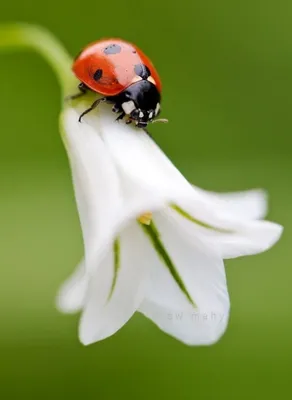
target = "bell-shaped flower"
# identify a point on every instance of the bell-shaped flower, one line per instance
(153, 242)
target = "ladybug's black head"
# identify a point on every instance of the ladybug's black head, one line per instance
(141, 102)
(146, 99)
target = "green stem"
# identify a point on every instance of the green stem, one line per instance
(17, 36)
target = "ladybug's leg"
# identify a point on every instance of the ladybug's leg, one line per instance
(83, 90)
(92, 107)
(121, 116)
(117, 108)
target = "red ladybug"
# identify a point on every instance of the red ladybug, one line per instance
(124, 76)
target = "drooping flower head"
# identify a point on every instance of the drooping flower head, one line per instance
(153, 242)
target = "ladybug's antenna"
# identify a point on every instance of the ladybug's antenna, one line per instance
(163, 120)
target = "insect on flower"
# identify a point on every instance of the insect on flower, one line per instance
(126, 78)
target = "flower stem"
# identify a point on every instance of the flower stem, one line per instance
(24, 36)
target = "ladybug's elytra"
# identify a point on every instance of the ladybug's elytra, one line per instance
(124, 76)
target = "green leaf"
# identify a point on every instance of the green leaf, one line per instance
(154, 237)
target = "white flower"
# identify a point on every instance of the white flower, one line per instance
(171, 267)
(153, 243)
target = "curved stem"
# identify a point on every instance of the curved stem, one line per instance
(17, 36)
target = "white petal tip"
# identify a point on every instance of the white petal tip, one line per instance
(87, 336)
(274, 232)
(65, 304)
(70, 298)
(86, 341)
(248, 204)
(208, 340)
(196, 338)
(259, 199)
(200, 336)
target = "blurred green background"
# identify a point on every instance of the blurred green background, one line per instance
(226, 68)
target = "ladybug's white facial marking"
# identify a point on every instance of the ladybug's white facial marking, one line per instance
(128, 107)
(136, 79)
(150, 79)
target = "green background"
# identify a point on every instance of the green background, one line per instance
(226, 68)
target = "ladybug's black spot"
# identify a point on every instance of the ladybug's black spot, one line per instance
(142, 70)
(97, 75)
(112, 49)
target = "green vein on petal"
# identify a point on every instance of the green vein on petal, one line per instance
(189, 217)
(117, 264)
(17, 36)
(154, 237)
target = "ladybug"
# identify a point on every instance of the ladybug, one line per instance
(125, 77)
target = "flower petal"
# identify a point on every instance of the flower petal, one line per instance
(248, 240)
(249, 204)
(95, 180)
(202, 272)
(194, 328)
(72, 294)
(106, 202)
(147, 167)
(106, 308)
(240, 237)
(140, 159)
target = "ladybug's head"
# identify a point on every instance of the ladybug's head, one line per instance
(143, 117)
(141, 101)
